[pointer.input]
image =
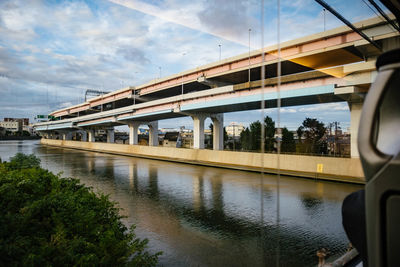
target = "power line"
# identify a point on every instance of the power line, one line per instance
(348, 23)
(384, 15)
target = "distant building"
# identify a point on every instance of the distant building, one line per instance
(29, 128)
(172, 139)
(187, 139)
(168, 130)
(234, 129)
(12, 126)
(24, 121)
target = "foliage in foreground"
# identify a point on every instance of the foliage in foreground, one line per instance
(49, 221)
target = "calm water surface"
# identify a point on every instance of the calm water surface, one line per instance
(203, 216)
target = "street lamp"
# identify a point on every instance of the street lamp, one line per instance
(219, 52)
(249, 55)
(182, 75)
(234, 136)
(134, 90)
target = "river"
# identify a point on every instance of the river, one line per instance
(205, 216)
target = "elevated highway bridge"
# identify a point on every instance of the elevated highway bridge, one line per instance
(336, 65)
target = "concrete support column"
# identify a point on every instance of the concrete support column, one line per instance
(153, 133)
(67, 135)
(83, 136)
(133, 132)
(218, 131)
(198, 131)
(355, 114)
(110, 136)
(91, 135)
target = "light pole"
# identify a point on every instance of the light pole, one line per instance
(134, 90)
(324, 19)
(219, 52)
(249, 55)
(182, 75)
(160, 71)
(234, 136)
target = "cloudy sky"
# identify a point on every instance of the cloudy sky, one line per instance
(52, 51)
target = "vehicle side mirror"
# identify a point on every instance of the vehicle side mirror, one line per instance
(379, 147)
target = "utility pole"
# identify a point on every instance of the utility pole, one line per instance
(182, 75)
(249, 55)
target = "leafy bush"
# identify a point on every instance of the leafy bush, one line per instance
(49, 221)
(22, 161)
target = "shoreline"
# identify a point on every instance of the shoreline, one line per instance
(310, 167)
(19, 138)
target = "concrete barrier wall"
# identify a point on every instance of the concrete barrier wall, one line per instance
(326, 168)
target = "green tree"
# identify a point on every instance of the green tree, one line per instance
(255, 135)
(225, 135)
(211, 127)
(269, 133)
(288, 144)
(250, 138)
(300, 132)
(49, 221)
(314, 131)
(245, 139)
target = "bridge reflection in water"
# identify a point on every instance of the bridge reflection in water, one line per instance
(209, 216)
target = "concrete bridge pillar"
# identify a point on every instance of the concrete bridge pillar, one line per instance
(153, 133)
(110, 136)
(355, 114)
(198, 131)
(91, 135)
(67, 136)
(133, 132)
(83, 136)
(218, 131)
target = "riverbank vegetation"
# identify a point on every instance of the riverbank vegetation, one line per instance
(46, 220)
(310, 139)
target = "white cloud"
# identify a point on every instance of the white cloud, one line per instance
(53, 51)
(288, 110)
(341, 106)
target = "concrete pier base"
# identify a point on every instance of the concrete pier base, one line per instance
(355, 115)
(91, 136)
(110, 136)
(133, 132)
(153, 133)
(83, 136)
(218, 131)
(198, 131)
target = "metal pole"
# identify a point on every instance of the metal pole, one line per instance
(324, 19)
(234, 135)
(249, 56)
(219, 52)
(182, 84)
(182, 75)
